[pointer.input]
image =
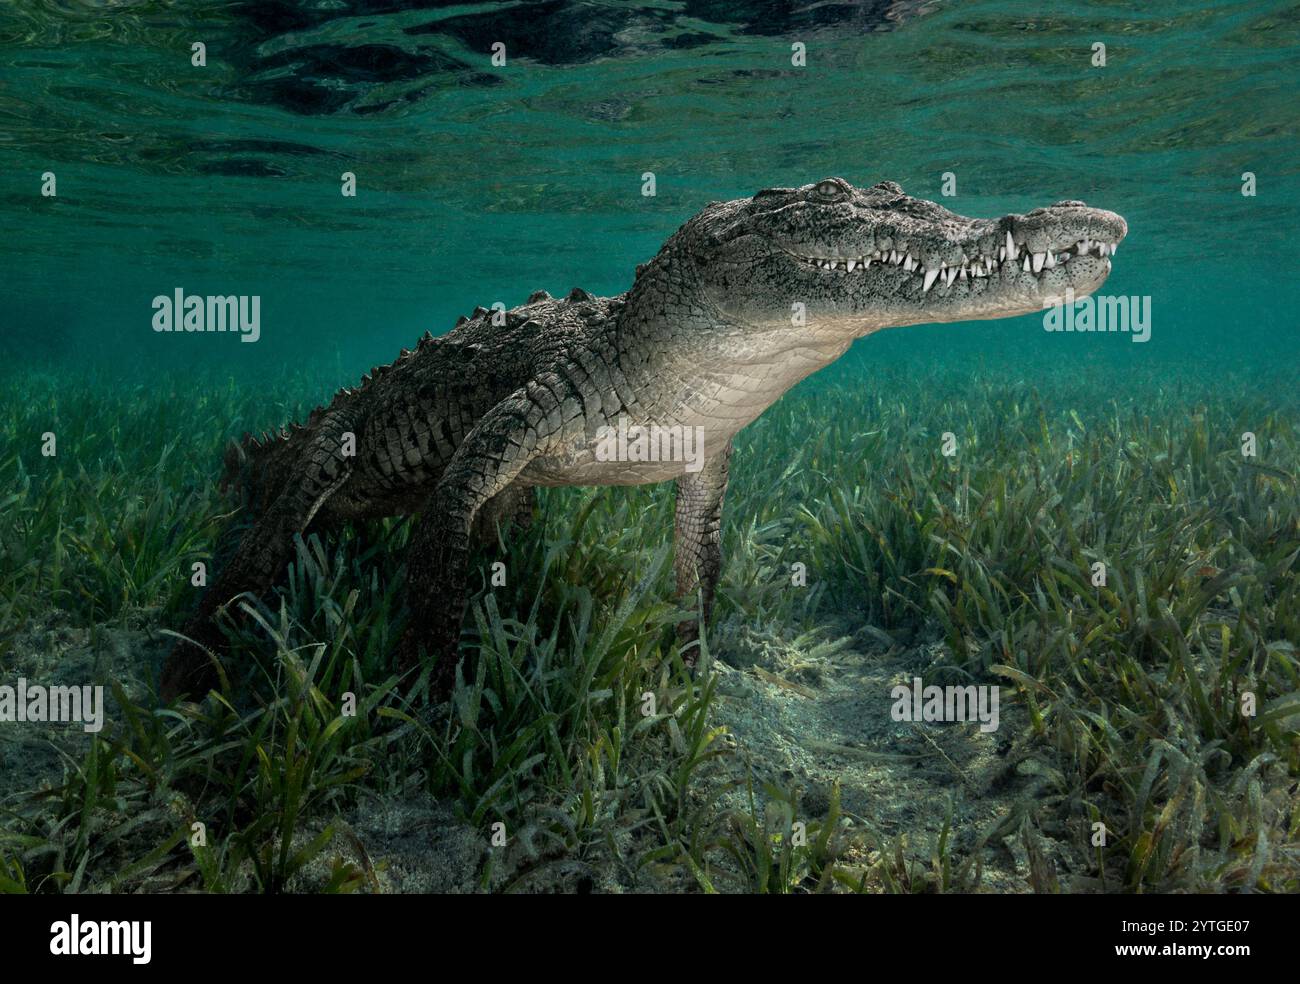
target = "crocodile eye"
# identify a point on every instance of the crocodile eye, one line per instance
(831, 191)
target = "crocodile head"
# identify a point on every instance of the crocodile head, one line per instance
(861, 260)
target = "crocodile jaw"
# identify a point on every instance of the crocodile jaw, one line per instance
(850, 262)
(1018, 275)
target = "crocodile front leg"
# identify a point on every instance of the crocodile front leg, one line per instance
(697, 529)
(493, 454)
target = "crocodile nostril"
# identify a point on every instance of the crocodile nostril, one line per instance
(1071, 203)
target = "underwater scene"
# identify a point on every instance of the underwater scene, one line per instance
(677, 447)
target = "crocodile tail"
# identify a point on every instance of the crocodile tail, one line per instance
(255, 468)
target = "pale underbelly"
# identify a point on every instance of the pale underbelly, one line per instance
(636, 454)
(646, 450)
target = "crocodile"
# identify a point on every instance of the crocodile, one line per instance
(746, 299)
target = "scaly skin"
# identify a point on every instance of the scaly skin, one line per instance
(745, 300)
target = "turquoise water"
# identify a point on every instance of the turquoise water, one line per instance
(479, 183)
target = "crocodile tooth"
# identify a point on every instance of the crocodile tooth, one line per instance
(895, 257)
(962, 273)
(1026, 266)
(1050, 261)
(1011, 246)
(930, 276)
(853, 265)
(949, 276)
(909, 264)
(867, 262)
(1039, 258)
(1113, 247)
(1002, 253)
